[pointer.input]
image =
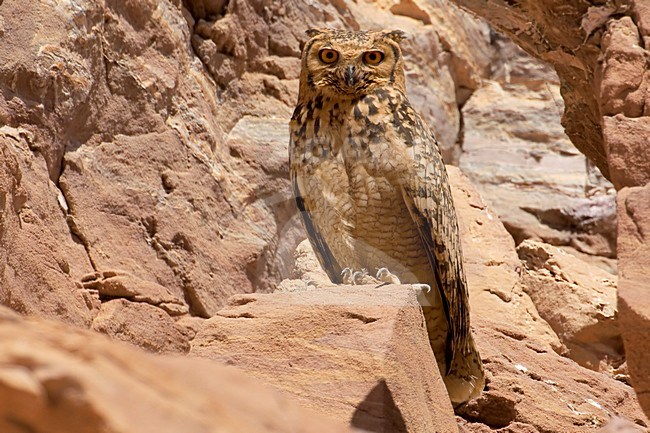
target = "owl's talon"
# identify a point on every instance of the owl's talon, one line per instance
(358, 276)
(346, 276)
(421, 292)
(387, 277)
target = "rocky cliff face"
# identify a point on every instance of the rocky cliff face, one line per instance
(144, 183)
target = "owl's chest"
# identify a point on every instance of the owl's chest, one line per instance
(358, 137)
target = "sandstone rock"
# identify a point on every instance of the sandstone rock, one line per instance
(508, 327)
(67, 380)
(306, 270)
(531, 390)
(596, 78)
(624, 77)
(512, 66)
(526, 168)
(142, 325)
(578, 301)
(358, 354)
(634, 293)
(41, 258)
(544, 39)
(168, 173)
(145, 138)
(121, 285)
(492, 266)
(620, 425)
(628, 152)
(530, 387)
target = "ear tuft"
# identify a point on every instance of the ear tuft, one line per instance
(396, 35)
(315, 32)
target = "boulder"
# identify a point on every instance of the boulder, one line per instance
(58, 379)
(578, 300)
(533, 390)
(527, 169)
(359, 354)
(634, 291)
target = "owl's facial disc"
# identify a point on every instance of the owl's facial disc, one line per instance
(351, 75)
(349, 65)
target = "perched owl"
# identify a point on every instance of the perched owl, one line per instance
(372, 188)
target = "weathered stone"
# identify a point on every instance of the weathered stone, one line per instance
(142, 325)
(492, 266)
(578, 300)
(550, 33)
(532, 390)
(628, 149)
(111, 285)
(68, 380)
(525, 167)
(41, 260)
(146, 138)
(624, 77)
(358, 354)
(634, 292)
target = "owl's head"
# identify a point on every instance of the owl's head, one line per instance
(345, 64)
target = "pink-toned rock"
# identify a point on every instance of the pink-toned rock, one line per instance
(578, 300)
(624, 77)
(530, 387)
(141, 324)
(554, 32)
(492, 266)
(41, 260)
(628, 150)
(634, 291)
(358, 354)
(147, 139)
(532, 391)
(602, 65)
(525, 167)
(57, 379)
(121, 285)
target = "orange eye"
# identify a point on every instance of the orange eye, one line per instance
(373, 58)
(328, 56)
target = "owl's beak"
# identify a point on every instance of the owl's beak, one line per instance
(350, 75)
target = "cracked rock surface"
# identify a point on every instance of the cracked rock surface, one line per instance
(144, 182)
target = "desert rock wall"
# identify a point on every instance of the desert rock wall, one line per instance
(144, 182)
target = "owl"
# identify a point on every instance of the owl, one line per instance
(372, 189)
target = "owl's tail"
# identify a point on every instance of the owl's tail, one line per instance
(466, 378)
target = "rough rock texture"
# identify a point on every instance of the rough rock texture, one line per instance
(41, 262)
(541, 186)
(627, 147)
(532, 390)
(578, 301)
(143, 144)
(355, 354)
(493, 267)
(600, 52)
(572, 37)
(519, 348)
(634, 291)
(310, 351)
(148, 139)
(55, 378)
